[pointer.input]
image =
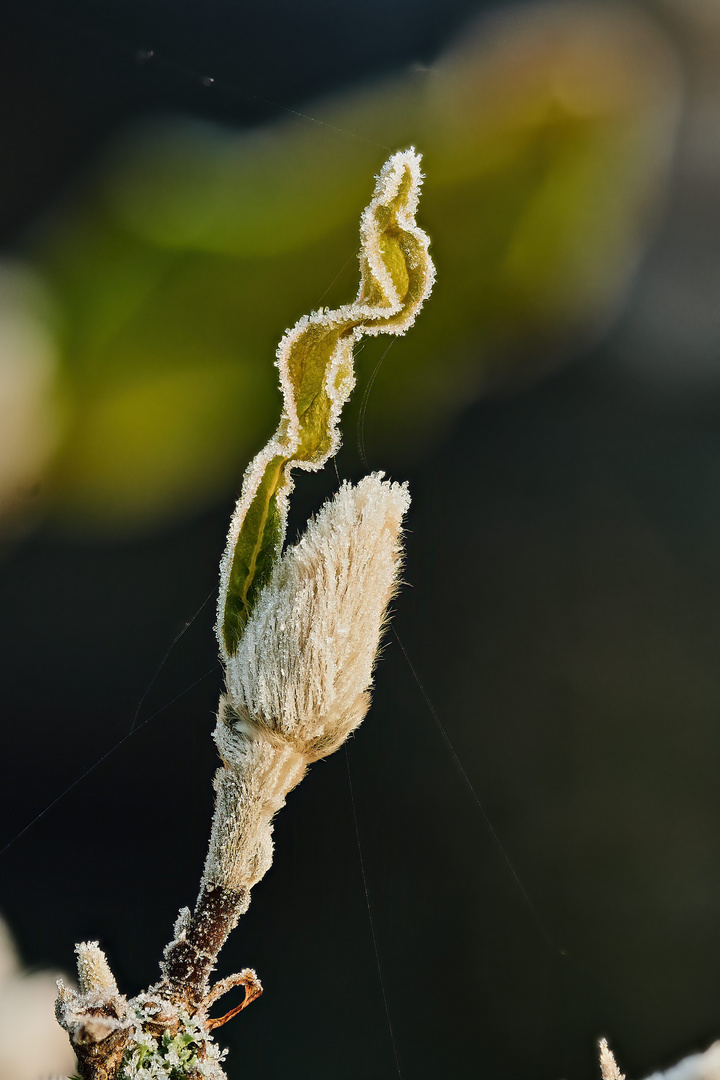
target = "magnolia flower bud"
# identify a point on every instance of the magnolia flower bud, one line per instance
(298, 683)
(304, 664)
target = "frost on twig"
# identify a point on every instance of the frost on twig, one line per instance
(96, 1017)
(298, 634)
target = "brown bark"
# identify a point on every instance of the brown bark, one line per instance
(190, 960)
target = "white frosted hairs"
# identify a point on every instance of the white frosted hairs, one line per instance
(298, 683)
(305, 661)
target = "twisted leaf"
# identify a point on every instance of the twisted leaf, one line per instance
(315, 361)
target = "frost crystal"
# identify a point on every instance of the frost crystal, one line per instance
(172, 1057)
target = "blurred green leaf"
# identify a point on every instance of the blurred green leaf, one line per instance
(545, 139)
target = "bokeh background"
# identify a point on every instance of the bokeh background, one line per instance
(536, 789)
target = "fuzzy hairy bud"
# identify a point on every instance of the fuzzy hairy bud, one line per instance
(94, 974)
(298, 683)
(304, 664)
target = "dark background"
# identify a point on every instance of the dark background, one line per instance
(561, 626)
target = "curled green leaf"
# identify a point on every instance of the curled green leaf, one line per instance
(315, 362)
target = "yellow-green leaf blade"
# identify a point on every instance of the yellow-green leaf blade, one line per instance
(316, 375)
